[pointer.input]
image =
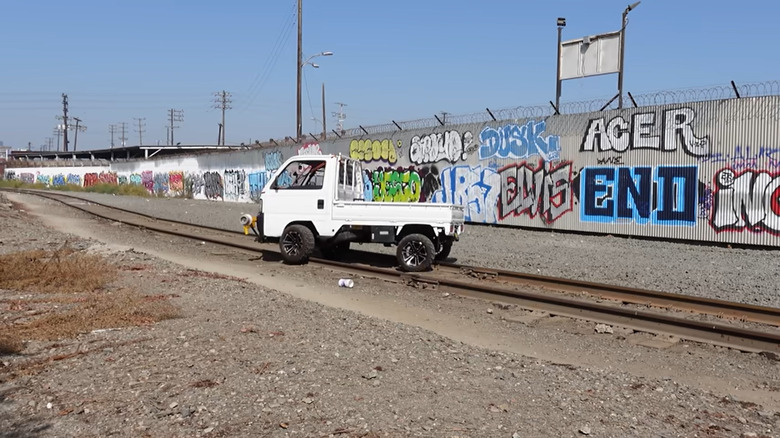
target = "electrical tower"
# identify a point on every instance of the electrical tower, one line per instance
(222, 101)
(112, 129)
(58, 132)
(65, 120)
(174, 116)
(140, 129)
(123, 138)
(340, 116)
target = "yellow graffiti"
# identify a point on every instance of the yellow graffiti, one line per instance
(373, 150)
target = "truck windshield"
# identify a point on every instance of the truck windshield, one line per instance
(302, 175)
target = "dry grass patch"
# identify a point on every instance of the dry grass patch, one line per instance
(65, 293)
(64, 271)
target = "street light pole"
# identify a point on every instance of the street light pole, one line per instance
(623, 50)
(561, 24)
(299, 126)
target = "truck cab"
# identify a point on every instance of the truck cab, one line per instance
(318, 202)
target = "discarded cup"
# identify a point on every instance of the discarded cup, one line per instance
(346, 282)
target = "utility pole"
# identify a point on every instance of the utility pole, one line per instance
(48, 143)
(222, 102)
(58, 133)
(65, 120)
(324, 131)
(123, 138)
(174, 115)
(77, 129)
(340, 116)
(298, 69)
(628, 9)
(140, 129)
(112, 131)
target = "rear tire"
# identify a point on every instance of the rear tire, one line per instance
(446, 247)
(415, 253)
(296, 244)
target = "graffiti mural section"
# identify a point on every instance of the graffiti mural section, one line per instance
(705, 171)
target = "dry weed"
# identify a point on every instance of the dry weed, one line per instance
(68, 293)
(63, 270)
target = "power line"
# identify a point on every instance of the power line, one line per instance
(222, 101)
(279, 45)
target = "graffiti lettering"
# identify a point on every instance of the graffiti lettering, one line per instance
(476, 188)
(43, 179)
(642, 132)
(147, 179)
(395, 185)
(257, 180)
(212, 185)
(234, 184)
(746, 158)
(748, 201)
(273, 160)
(625, 194)
(175, 182)
(449, 146)
(545, 190)
(161, 183)
(373, 150)
(27, 177)
(522, 142)
(615, 161)
(310, 149)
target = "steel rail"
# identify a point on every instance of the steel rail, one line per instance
(720, 308)
(711, 333)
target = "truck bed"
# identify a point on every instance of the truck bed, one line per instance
(387, 213)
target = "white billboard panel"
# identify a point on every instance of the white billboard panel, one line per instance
(590, 56)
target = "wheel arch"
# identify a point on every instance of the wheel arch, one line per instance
(423, 229)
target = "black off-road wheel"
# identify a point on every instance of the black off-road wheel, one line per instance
(296, 244)
(446, 247)
(415, 253)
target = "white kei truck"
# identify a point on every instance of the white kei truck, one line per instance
(318, 202)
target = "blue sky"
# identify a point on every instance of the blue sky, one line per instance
(400, 60)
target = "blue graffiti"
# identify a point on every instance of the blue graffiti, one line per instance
(161, 181)
(73, 179)
(666, 196)
(257, 180)
(58, 180)
(522, 142)
(476, 188)
(273, 160)
(368, 186)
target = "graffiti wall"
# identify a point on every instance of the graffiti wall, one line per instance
(699, 171)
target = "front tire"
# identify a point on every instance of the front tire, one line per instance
(415, 253)
(296, 244)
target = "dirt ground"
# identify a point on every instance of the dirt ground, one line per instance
(264, 349)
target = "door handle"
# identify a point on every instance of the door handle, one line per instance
(320, 204)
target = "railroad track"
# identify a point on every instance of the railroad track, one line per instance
(512, 287)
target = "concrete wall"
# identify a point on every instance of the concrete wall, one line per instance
(705, 171)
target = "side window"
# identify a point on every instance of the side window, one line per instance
(302, 175)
